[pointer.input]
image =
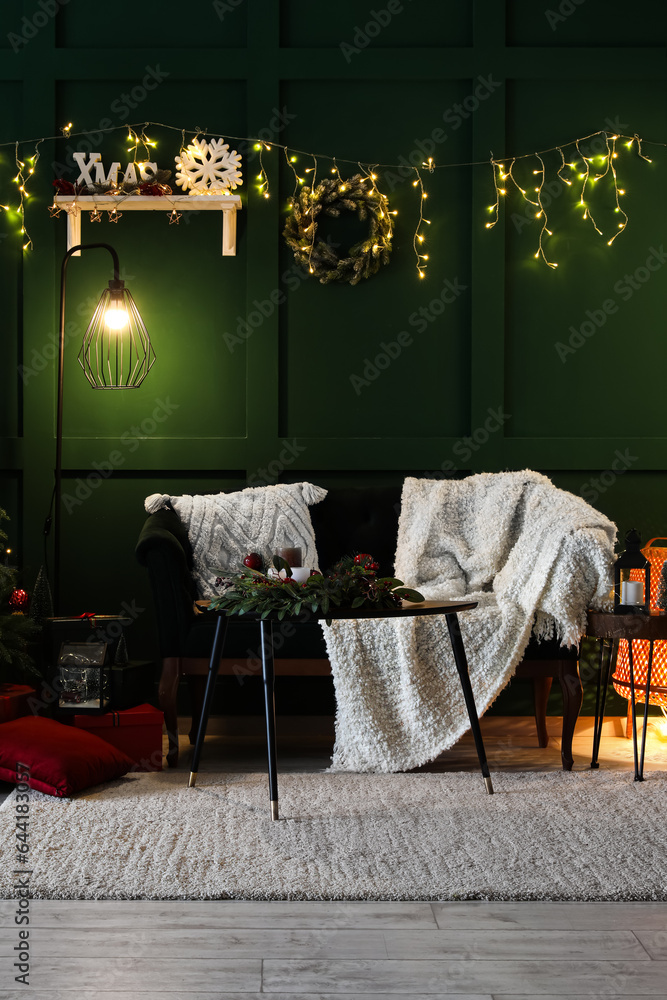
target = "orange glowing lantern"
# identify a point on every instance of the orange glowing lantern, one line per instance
(657, 689)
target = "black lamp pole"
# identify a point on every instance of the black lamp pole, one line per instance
(139, 356)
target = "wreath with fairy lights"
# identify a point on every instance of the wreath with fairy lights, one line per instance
(358, 194)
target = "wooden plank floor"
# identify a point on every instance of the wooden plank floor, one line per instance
(325, 950)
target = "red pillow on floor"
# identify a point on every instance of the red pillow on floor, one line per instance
(61, 759)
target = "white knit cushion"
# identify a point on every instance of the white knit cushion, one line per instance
(224, 527)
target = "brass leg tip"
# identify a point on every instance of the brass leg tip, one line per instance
(274, 810)
(192, 780)
(489, 786)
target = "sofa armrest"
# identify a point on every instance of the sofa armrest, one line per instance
(163, 548)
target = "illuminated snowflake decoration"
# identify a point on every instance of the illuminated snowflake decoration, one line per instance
(208, 167)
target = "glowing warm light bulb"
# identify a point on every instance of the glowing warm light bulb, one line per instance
(116, 318)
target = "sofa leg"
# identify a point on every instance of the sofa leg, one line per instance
(573, 695)
(167, 696)
(541, 689)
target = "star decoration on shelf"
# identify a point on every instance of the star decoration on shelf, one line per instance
(174, 217)
(115, 215)
(54, 211)
(96, 216)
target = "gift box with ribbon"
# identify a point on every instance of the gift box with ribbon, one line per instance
(14, 701)
(136, 731)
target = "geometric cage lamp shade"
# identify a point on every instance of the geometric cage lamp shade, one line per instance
(657, 683)
(116, 352)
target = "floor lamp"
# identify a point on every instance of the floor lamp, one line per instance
(116, 354)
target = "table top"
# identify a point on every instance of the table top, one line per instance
(408, 609)
(605, 625)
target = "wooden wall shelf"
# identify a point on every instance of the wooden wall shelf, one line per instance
(228, 204)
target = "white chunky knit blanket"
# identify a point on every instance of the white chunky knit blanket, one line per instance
(534, 557)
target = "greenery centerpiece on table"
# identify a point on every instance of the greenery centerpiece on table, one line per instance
(352, 583)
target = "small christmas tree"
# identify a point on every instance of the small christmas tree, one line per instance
(41, 604)
(16, 630)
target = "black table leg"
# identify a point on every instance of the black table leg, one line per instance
(464, 677)
(266, 629)
(646, 701)
(638, 777)
(606, 646)
(216, 653)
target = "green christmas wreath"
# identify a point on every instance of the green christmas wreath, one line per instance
(358, 194)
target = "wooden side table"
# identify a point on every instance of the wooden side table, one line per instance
(449, 609)
(609, 629)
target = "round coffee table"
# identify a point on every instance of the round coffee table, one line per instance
(449, 609)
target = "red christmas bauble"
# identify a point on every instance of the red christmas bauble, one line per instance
(19, 600)
(253, 561)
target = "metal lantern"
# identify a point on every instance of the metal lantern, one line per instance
(84, 677)
(641, 648)
(632, 578)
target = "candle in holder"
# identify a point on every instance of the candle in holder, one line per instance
(292, 556)
(632, 592)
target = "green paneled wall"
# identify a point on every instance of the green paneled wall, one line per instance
(381, 84)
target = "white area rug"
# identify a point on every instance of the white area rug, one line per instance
(567, 836)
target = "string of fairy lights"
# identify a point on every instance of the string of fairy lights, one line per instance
(586, 170)
(582, 166)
